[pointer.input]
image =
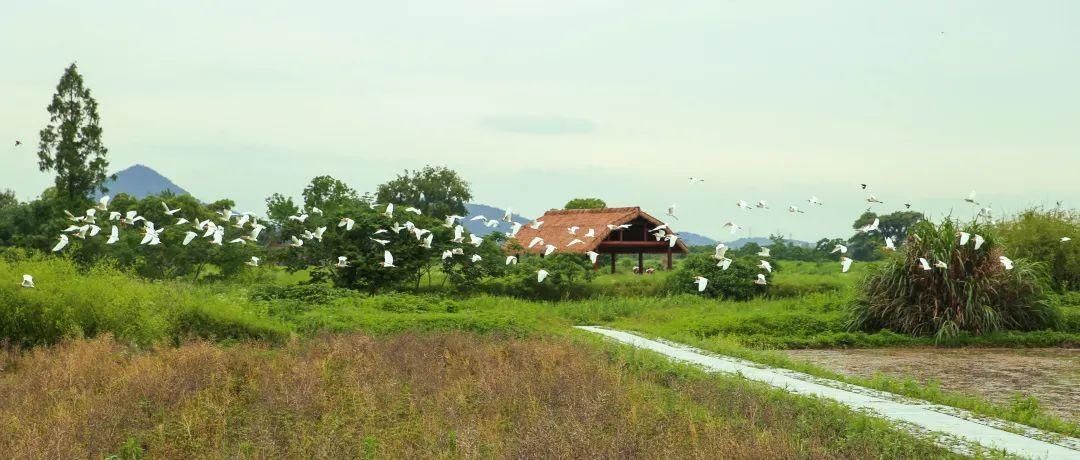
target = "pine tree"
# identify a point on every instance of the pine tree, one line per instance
(71, 144)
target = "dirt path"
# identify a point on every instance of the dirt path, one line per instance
(1050, 374)
(958, 428)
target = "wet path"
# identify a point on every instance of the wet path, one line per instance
(959, 427)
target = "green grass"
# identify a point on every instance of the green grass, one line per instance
(69, 303)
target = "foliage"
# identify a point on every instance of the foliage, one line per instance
(783, 249)
(735, 283)
(585, 203)
(1036, 235)
(567, 275)
(975, 294)
(867, 246)
(467, 275)
(71, 144)
(436, 190)
(8, 199)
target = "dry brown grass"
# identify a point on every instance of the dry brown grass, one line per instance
(409, 396)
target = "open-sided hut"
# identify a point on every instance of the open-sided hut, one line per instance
(609, 240)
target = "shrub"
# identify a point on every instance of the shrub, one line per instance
(1036, 235)
(567, 275)
(975, 294)
(737, 282)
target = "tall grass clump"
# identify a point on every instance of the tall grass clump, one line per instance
(1036, 235)
(974, 295)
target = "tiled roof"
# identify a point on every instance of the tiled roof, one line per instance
(556, 224)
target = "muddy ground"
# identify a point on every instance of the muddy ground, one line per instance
(1050, 374)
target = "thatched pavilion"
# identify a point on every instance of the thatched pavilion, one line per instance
(634, 239)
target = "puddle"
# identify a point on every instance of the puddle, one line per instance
(1050, 374)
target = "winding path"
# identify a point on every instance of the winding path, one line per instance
(957, 429)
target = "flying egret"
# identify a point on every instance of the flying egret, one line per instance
(181, 221)
(839, 248)
(549, 249)
(114, 215)
(971, 198)
(671, 211)
(734, 227)
(701, 282)
(347, 223)
(574, 241)
(761, 281)
(1006, 262)
(940, 264)
(319, 233)
(535, 241)
(413, 210)
(764, 252)
(459, 235)
(388, 259)
(426, 243)
(218, 237)
(795, 209)
(672, 238)
(845, 263)
(1065, 239)
(242, 221)
(592, 256)
(508, 215)
(814, 200)
(169, 212)
(103, 203)
(618, 227)
(382, 242)
(694, 180)
(766, 265)
(724, 263)
(964, 237)
(536, 224)
(447, 254)
(114, 235)
(721, 251)
(515, 228)
(572, 229)
(478, 217)
(762, 204)
(924, 264)
(475, 240)
(540, 275)
(658, 228)
(188, 237)
(342, 262)
(979, 240)
(476, 258)
(743, 205)
(511, 260)
(491, 223)
(299, 218)
(889, 243)
(254, 262)
(295, 242)
(591, 233)
(390, 213)
(451, 220)
(872, 226)
(27, 281)
(873, 199)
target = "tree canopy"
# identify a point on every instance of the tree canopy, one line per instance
(436, 191)
(585, 203)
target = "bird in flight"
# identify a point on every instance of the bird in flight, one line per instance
(1006, 262)
(760, 281)
(845, 263)
(18, 142)
(971, 198)
(27, 281)
(814, 200)
(540, 275)
(701, 282)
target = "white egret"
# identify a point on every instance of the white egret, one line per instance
(724, 263)
(839, 248)
(764, 252)
(814, 200)
(413, 210)
(979, 240)
(889, 243)
(574, 241)
(573, 229)
(743, 205)
(964, 237)
(188, 237)
(459, 235)
(971, 198)
(873, 199)
(114, 235)
(721, 251)
(761, 281)
(390, 213)
(27, 281)
(701, 282)
(940, 264)
(795, 209)
(762, 204)
(845, 263)
(295, 242)
(924, 264)
(475, 240)
(388, 259)
(766, 265)
(382, 242)
(169, 212)
(254, 262)
(347, 223)
(591, 233)
(342, 262)
(511, 260)
(515, 228)
(592, 256)
(476, 258)
(540, 275)
(671, 212)
(1006, 262)
(549, 249)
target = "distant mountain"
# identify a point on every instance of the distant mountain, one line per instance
(693, 239)
(477, 227)
(762, 242)
(140, 181)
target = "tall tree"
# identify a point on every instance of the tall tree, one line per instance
(585, 203)
(436, 191)
(71, 143)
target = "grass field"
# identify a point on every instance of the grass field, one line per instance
(87, 331)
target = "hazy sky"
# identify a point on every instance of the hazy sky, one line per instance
(538, 102)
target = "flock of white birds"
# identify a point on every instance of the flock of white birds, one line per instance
(86, 226)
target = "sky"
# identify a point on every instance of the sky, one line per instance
(535, 103)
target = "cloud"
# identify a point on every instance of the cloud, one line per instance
(538, 124)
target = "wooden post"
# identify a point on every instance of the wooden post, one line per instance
(669, 258)
(641, 263)
(613, 263)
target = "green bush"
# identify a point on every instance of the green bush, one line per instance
(735, 283)
(975, 294)
(1036, 235)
